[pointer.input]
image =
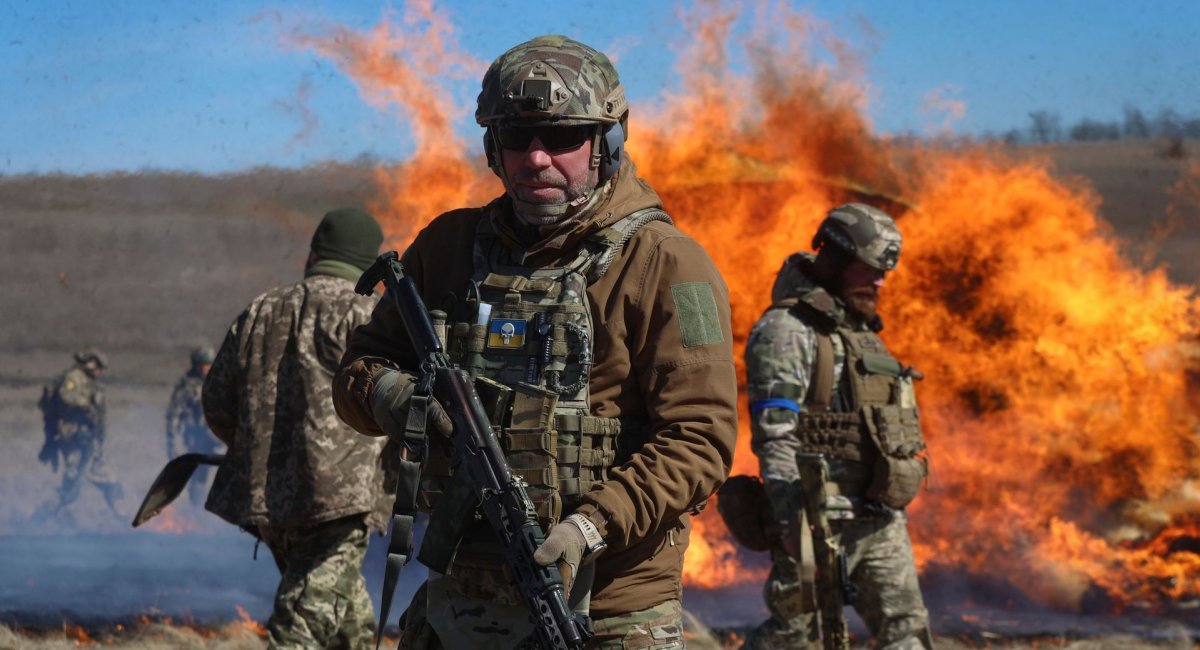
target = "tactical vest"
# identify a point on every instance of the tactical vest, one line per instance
(871, 418)
(526, 336)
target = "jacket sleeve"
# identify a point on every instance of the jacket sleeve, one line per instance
(219, 396)
(380, 342)
(779, 358)
(681, 347)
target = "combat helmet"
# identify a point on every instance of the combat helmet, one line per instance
(863, 232)
(203, 355)
(551, 80)
(92, 354)
(555, 81)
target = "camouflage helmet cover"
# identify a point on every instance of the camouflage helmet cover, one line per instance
(202, 355)
(92, 354)
(551, 79)
(863, 231)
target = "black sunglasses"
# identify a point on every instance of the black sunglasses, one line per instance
(553, 138)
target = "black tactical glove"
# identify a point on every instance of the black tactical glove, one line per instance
(49, 456)
(390, 399)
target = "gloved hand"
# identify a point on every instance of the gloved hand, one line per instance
(568, 545)
(390, 398)
(563, 548)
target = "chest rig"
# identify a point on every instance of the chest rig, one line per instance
(526, 336)
(870, 416)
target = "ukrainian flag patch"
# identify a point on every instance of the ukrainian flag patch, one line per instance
(506, 333)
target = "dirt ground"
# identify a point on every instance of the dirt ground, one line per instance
(147, 266)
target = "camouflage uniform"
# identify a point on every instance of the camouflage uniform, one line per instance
(73, 411)
(187, 432)
(781, 354)
(295, 475)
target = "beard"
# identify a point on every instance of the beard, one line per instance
(863, 303)
(564, 191)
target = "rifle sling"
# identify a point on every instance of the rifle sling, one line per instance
(404, 510)
(808, 565)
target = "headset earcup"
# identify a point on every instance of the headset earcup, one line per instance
(612, 148)
(489, 148)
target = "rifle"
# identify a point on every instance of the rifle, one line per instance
(169, 484)
(501, 494)
(833, 587)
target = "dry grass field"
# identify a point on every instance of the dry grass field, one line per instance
(146, 266)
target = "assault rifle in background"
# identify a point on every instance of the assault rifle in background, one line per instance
(501, 494)
(833, 589)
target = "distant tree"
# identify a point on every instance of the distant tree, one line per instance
(1046, 127)
(1135, 123)
(1089, 130)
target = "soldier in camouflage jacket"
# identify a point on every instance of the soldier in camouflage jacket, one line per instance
(187, 432)
(73, 412)
(308, 485)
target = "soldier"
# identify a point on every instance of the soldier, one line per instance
(186, 429)
(822, 382)
(73, 413)
(612, 329)
(295, 476)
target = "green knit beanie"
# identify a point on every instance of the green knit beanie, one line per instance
(348, 235)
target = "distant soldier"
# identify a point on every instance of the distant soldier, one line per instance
(295, 475)
(73, 413)
(186, 429)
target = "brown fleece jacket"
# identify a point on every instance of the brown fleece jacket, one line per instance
(686, 393)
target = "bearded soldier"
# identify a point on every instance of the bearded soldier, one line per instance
(303, 482)
(73, 412)
(186, 429)
(823, 386)
(608, 331)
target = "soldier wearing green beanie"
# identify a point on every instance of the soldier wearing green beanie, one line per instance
(305, 483)
(344, 244)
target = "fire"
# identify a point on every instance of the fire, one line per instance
(77, 635)
(1056, 406)
(172, 522)
(248, 623)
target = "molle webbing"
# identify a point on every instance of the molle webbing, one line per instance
(838, 434)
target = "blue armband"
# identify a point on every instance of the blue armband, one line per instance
(773, 403)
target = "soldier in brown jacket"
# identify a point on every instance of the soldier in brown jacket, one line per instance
(296, 476)
(612, 329)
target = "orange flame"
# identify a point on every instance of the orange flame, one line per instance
(248, 623)
(171, 522)
(77, 634)
(1056, 406)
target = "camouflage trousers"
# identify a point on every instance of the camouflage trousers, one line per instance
(459, 622)
(879, 558)
(322, 599)
(82, 462)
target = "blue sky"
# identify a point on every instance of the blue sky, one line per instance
(93, 86)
